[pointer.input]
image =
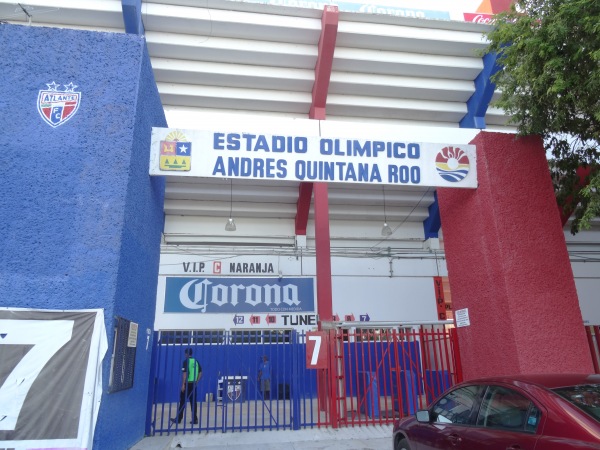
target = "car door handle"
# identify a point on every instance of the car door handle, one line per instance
(514, 447)
(454, 439)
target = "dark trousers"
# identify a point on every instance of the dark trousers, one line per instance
(188, 394)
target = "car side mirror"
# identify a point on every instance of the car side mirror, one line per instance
(423, 416)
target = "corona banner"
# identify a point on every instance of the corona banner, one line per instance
(239, 295)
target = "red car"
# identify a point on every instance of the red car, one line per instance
(524, 412)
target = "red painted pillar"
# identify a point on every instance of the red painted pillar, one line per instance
(508, 264)
(326, 378)
(323, 252)
(329, 24)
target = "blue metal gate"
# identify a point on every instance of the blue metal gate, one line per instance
(229, 395)
(374, 376)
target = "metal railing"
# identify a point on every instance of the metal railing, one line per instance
(383, 374)
(593, 335)
(375, 375)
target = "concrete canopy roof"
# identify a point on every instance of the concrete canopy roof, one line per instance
(239, 59)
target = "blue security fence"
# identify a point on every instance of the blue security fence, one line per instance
(220, 354)
(229, 393)
(374, 376)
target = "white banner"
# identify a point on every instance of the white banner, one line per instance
(51, 376)
(238, 154)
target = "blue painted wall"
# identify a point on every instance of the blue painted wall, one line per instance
(80, 218)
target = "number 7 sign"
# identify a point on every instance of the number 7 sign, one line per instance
(43, 355)
(316, 350)
(13, 391)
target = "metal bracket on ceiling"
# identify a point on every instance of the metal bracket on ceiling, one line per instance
(329, 26)
(433, 223)
(132, 16)
(477, 107)
(479, 102)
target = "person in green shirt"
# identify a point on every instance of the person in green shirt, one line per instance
(191, 373)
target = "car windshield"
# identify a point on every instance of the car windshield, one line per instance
(584, 396)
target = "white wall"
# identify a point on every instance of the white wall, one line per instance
(362, 286)
(584, 251)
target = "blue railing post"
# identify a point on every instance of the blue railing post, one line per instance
(151, 387)
(295, 385)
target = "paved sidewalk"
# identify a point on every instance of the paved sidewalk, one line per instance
(355, 438)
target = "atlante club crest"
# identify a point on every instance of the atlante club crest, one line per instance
(234, 391)
(56, 105)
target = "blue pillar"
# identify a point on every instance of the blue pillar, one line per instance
(80, 218)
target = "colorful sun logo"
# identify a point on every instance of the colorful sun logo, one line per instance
(452, 164)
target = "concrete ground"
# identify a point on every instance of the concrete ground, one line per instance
(378, 437)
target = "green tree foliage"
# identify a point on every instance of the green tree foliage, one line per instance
(549, 51)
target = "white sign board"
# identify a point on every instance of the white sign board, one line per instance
(479, 11)
(133, 334)
(462, 317)
(361, 288)
(240, 154)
